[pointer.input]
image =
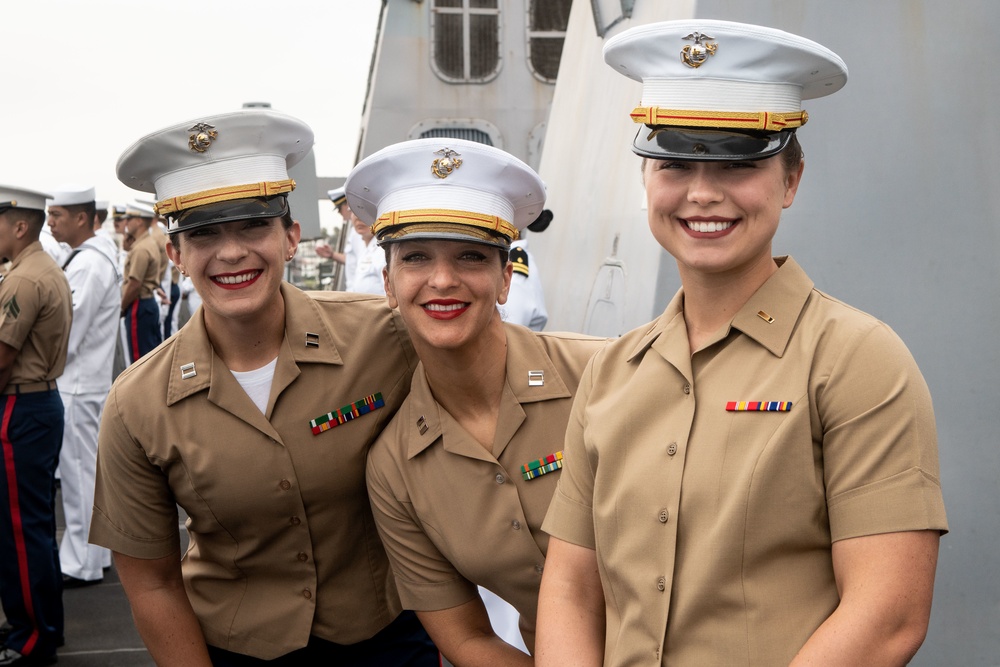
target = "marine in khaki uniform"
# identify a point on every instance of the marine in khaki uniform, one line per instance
(36, 311)
(256, 418)
(144, 267)
(462, 477)
(752, 478)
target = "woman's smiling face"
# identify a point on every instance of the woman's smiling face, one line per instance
(446, 291)
(237, 267)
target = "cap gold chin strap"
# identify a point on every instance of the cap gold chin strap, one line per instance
(737, 120)
(247, 191)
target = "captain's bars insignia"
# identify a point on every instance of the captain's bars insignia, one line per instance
(550, 463)
(347, 413)
(758, 406)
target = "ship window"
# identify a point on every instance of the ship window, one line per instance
(465, 39)
(547, 21)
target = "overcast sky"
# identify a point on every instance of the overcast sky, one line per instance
(84, 79)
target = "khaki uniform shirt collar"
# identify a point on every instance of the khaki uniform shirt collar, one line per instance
(194, 357)
(424, 411)
(781, 299)
(30, 249)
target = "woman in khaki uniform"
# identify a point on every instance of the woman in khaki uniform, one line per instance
(256, 419)
(462, 477)
(752, 478)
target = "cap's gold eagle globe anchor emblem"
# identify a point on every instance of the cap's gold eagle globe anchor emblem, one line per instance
(695, 55)
(201, 137)
(447, 163)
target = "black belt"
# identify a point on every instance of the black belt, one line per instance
(29, 387)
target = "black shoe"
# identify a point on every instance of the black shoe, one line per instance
(73, 582)
(11, 658)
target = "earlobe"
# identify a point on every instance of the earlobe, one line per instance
(390, 297)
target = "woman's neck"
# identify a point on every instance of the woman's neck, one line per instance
(247, 345)
(468, 382)
(712, 300)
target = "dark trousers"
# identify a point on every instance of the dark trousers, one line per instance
(168, 322)
(31, 433)
(403, 643)
(142, 327)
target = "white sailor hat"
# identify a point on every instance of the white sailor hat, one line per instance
(139, 209)
(15, 197)
(445, 188)
(718, 90)
(337, 196)
(214, 169)
(69, 195)
(101, 204)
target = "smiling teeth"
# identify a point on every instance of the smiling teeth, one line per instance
(236, 280)
(443, 308)
(705, 227)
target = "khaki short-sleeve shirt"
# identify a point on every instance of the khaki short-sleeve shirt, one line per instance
(454, 515)
(283, 543)
(713, 527)
(143, 264)
(36, 311)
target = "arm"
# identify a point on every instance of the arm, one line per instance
(885, 584)
(130, 292)
(570, 608)
(161, 609)
(464, 635)
(7, 357)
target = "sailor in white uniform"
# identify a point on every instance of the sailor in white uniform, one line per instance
(94, 281)
(526, 299)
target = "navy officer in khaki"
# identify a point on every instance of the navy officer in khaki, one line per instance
(256, 419)
(36, 311)
(461, 478)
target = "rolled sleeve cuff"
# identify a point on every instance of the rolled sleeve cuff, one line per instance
(570, 521)
(105, 534)
(910, 500)
(435, 596)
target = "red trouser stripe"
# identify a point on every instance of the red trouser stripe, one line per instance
(17, 525)
(135, 330)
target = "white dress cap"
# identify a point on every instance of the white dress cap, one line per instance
(445, 188)
(721, 74)
(68, 195)
(228, 157)
(139, 209)
(15, 197)
(337, 196)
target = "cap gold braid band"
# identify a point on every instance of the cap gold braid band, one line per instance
(247, 191)
(762, 120)
(429, 216)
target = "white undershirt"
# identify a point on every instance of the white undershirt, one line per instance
(257, 383)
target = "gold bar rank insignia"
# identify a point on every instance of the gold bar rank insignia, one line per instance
(542, 466)
(346, 413)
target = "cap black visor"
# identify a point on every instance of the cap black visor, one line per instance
(227, 211)
(706, 145)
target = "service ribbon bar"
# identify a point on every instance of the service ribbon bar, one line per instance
(538, 468)
(347, 413)
(758, 406)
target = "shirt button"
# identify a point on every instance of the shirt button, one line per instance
(303, 557)
(661, 584)
(664, 516)
(539, 568)
(285, 485)
(500, 478)
(307, 594)
(295, 521)
(515, 524)
(687, 388)
(671, 449)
